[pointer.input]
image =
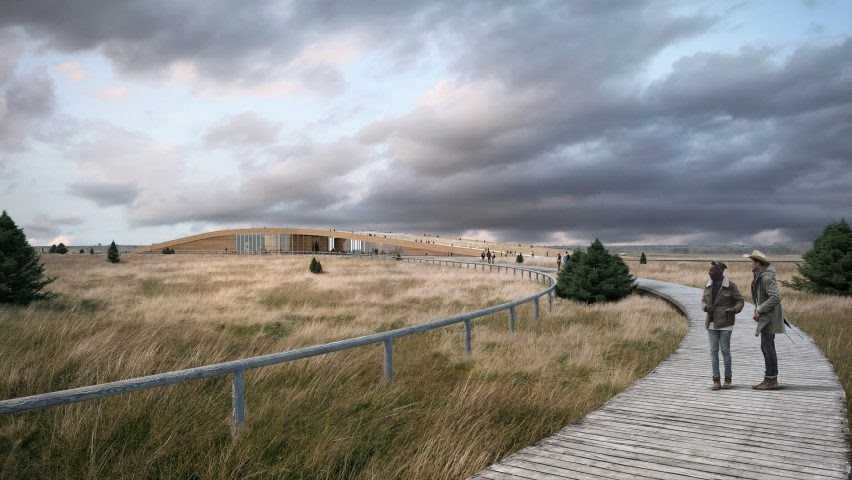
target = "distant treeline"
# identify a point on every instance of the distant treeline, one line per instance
(776, 249)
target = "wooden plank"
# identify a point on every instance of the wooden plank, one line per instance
(671, 463)
(745, 449)
(718, 454)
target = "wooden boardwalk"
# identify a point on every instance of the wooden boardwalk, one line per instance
(671, 425)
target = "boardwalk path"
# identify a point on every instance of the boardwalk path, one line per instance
(671, 425)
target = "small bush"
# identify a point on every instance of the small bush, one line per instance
(21, 275)
(91, 251)
(168, 251)
(642, 259)
(61, 248)
(316, 266)
(828, 264)
(112, 254)
(520, 258)
(82, 250)
(594, 276)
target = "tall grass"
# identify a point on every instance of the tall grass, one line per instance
(446, 415)
(826, 318)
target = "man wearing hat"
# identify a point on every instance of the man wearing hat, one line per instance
(722, 301)
(767, 314)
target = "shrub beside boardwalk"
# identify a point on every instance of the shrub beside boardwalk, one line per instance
(326, 417)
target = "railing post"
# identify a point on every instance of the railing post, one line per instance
(512, 319)
(238, 392)
(467, 337)
(550, 301)
(536, 308)
(388, 360)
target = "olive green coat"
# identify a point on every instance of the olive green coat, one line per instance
(729, 297)
(767, 301)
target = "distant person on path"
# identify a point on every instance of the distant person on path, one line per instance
(483, 256)
(566, 257)
(558, 261)
(722, 301)
(768, 315)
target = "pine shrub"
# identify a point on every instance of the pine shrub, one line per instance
(316, 266)
(112, 254)
(91, 251)
(642, 259)
(22, 277)
(520, 258)
(828, 264)
(594, 276)
(61, 248)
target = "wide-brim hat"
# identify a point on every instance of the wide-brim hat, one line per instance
(757, 255)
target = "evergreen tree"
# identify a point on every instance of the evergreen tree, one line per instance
(61, 248)
(91, 251)
(828, 264)
(566, 272)
(520, 258)
(316, 266)
(642, 259)
(22, 277)
(112, 254)
(52, 249)
(595, 276)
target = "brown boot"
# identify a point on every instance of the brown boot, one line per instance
(771, 384)
(761, 384)
(727, 385)
(716, 384)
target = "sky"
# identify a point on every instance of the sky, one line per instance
(635, 121)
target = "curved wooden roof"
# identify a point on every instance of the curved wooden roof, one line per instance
(437, 248)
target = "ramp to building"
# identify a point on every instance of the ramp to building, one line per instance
(670, 425)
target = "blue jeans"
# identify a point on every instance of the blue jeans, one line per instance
(770, 358)
(720, 338)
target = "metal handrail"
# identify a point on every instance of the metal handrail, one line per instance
(238, 367)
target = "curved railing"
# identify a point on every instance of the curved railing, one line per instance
(237, 368)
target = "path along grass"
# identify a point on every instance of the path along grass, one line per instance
(826, 318)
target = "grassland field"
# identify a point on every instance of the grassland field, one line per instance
(445, 415)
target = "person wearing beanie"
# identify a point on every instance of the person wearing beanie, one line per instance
(768, 315)
(722, 301)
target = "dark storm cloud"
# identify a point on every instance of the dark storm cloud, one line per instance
(106, 194)
(26, 100)
(43, 228)
(725, 147)
(545, 124)
(241, 42)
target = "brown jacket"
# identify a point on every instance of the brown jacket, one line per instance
(729, 297)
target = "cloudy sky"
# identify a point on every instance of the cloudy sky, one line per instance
(535, 121)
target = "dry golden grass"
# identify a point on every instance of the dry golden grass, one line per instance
(446, 415)
(826, 318)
